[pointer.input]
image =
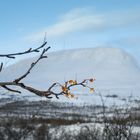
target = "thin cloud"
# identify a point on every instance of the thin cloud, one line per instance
(75, 20)
(86, 19)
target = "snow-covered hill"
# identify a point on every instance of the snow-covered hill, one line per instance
(114, 69)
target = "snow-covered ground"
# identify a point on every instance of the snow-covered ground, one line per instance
(116, 73)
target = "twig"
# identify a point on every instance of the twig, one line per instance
(1, 66)
(12, 55)
(32, 65)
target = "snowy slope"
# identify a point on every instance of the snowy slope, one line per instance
(114, 69)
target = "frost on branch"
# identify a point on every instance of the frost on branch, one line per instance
(65, 89)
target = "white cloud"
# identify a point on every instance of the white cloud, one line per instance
(86, 19)
(75, 20)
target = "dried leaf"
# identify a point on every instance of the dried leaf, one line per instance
(64, 89)
(92, 90)
(91, 80)
(70, 81)
(75, 82)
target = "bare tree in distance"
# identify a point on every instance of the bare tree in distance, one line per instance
(65, 89)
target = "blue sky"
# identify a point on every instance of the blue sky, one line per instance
(70, 24)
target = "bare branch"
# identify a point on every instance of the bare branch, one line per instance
(17, 82)
(9, 89)
(32, 65)
(64, 89)
(43, 93)
(12, 55)
(1, 66)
